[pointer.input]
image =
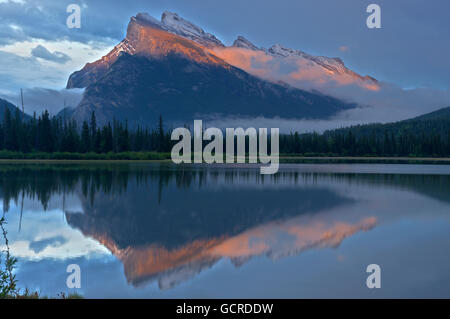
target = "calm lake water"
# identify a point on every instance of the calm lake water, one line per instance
(164, 231)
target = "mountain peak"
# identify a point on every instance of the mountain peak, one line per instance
(146, 18)
(173, 34)
(177, 25)
(243, 43)
(279, 50)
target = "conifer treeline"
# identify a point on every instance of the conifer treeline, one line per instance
(53, 134)
(348, 143)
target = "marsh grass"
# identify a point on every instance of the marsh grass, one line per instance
(8, 281)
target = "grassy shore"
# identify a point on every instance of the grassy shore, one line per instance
(35, 157)
(137, 156)
(363, 160)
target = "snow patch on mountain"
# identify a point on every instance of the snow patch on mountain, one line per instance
(243, 43)
(173, 23)
(177, 25)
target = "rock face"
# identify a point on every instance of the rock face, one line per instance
(334, 65)
(139, 89)
(243, 43)
(169, 68)
(149, 37)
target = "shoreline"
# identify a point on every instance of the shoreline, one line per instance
(283, 160)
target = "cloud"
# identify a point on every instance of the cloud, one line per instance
(295, 70)
(284, 125)
(20, 72)
(40, 245)
(390, 104)
(39, 99)
(41, 52)
(382, 102)
(20, 68)
(344, 48)
(102, 22)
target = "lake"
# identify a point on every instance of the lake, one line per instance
(157, 230)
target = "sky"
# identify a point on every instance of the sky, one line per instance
(411, 50)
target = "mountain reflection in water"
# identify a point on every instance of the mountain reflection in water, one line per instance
(168, 223)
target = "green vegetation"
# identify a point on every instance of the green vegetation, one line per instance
(147, 156)
(54, 135)
(424, 136)
(57, 139)
(8, 281)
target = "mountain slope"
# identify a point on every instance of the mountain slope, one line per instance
(172, 23)
(139, 89)
(12, 108)
(440, 115)
(149, 37)
(434, 123)
(169, 67)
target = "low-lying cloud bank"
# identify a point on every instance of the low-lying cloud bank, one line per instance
(383, 102)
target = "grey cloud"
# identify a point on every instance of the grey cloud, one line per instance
(42, 52)
(18, 71)
(390, 104)
(45, 19)
(387, 103)
(39, 99)
(10, 34)
(40, 245)
(284, 125)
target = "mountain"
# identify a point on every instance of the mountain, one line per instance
(66, 112)
(331, 66)
(172, 23)
(243, 43)
(439, 115)
(434, 123)
(139, 89)
(168, 67)
(147, 36)
(12, 108)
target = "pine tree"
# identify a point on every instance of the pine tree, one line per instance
(161, 139)
(8, 129)
(93, 131)
(107, 139)
(85, 138)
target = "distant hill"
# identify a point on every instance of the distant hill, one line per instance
(423, 136)
(439, 115)
(434, 123)
(12, 108)
(66, 112)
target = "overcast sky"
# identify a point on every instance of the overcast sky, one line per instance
(411, 50)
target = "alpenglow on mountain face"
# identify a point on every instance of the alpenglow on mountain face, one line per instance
(172, 67)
